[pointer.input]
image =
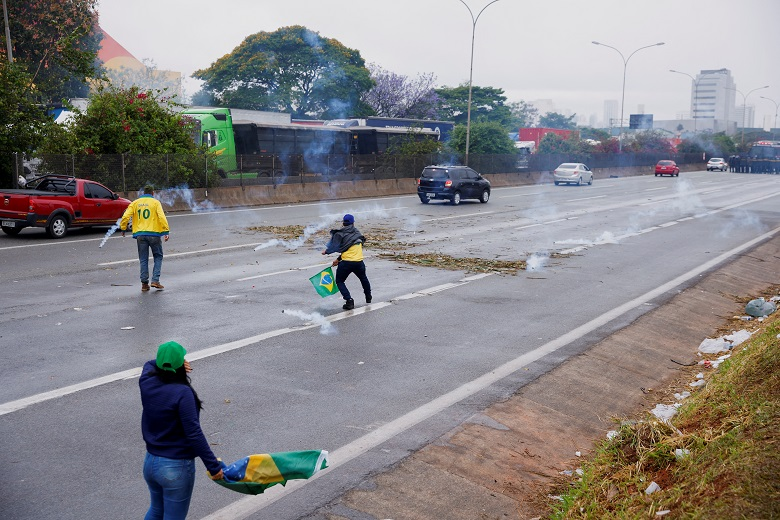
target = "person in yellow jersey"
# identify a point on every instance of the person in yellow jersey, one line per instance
(348, 242)
(150, 227)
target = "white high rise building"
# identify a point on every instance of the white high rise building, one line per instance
(712, 97)
(746, 114)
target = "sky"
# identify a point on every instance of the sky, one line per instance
(533, 50)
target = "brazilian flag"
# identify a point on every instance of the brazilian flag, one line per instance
(254, 474)
(324, 282)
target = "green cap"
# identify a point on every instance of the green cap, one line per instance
(170, 356)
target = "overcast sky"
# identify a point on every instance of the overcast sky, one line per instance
(531, 49)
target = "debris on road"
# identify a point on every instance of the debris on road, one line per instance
(760, 308)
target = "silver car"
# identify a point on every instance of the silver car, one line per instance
(573, 173)
(717, 163)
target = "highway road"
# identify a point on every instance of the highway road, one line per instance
(280, 368)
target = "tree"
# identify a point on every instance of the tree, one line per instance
(24, 122)
(649, 141)
(524, 115)
(487, 137)
(553, 143)
(291, 70)
(488, 104)
(556, 120)
(126, 121)
(395, 95)
(56, 42)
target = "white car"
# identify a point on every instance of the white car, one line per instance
(573, 173)
(716, 163)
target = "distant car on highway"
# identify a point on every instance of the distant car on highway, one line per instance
(667, 168)
(452, 183)
(717, 163)
(572, 173)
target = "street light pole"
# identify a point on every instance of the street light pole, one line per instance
(7, 35)
(471, 71)
(695, 92)
(623, 98)
(744, 107)
(776, 106)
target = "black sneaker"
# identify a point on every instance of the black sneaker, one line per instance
(368, 298)
(349, 305)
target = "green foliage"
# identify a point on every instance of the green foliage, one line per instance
(125, 121)
(291, 70)
(486, 137)
(524, 115)
(556, 120)
(553, 143)
(649, 141)
(24, 122)
(715, 145)
(56, 42)
(596, 134)
(488, 104)
(411, 144)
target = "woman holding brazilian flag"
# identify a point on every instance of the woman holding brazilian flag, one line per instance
(171, 429)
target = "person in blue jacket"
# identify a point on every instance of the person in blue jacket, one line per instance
(170, 424)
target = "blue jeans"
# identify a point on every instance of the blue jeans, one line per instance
(170, 484)
(145, 243)
(345, 269)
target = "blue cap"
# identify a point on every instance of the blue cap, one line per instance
(349, 219)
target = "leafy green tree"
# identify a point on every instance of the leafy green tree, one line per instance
(595, 134)
(556, 120)
(716, 145)
(292, 70)
(126, 121)
(486, 137)
(409, 144)
(488, 104)
(553, 143)
(524, 115)
(24, 122)
(56, 41)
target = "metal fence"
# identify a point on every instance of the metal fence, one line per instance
(127, 172)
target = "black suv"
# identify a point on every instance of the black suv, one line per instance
(453, 183)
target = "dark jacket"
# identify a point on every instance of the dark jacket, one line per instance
(344, 238)
(171, 421)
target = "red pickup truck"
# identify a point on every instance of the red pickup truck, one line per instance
(58, 202)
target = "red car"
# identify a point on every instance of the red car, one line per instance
(667, 168)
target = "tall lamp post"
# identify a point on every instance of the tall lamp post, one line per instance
(623, 98)
(474, 21)
(695, 91)
(7, 34)
(744, 106)
(776, 106)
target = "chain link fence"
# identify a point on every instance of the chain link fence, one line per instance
(127, 172)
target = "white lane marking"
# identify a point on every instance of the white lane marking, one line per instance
(587, 198)
(654, 202)
(245, 507)
(290, 270)
(459, 216)
(186, 253)
(18, 404)
(521, 195)
(528, 226)
(667, 224)
(561, 220)
(684, 219)
(655, 189)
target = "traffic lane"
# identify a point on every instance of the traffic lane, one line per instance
(309, 390)
(50, 342)
(104, 327)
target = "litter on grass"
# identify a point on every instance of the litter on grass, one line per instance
(697, 383)
(665, 412)
(681, 453)
(760, 308)
(652, 488)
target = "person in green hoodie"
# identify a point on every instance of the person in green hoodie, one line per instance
(150, 227)
(348, 242)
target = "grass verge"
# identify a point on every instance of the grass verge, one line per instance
(728, 432)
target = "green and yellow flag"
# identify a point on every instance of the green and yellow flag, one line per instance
(324, 282)
(254, 474)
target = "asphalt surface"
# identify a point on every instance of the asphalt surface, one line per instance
(434, 348)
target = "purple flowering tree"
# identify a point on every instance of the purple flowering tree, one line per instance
(395, 95)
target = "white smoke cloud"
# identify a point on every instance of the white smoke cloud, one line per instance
(326, 327)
